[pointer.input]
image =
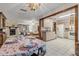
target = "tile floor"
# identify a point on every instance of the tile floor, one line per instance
(60, 47)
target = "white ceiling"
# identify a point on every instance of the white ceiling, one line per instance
(12, 10)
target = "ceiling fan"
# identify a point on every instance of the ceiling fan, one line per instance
(24, 10)
(31, 6)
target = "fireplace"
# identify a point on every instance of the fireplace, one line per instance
(12, 31)
(1, 30)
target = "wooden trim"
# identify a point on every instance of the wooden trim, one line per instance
(3, 15)
(41, 24)
(76, 26)
(39, 29)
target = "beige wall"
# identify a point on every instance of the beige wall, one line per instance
(11, 22)
(48, 23)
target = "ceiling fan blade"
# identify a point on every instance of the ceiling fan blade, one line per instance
(23, 10)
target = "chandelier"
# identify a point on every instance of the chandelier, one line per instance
(34, 6)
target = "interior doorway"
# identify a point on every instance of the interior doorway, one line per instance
(66, 25)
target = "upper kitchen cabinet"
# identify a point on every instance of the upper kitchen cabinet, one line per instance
(2, 20)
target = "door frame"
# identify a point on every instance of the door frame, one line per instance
(41, 22)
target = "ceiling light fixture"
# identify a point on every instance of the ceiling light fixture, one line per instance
(34, 6)
(31, 7)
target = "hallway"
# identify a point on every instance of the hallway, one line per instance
(60, 47)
